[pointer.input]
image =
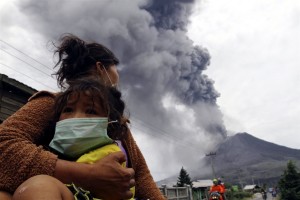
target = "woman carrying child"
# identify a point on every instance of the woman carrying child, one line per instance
(23, 135)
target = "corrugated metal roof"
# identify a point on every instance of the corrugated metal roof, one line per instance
(202, 183)
(17, 84)
(13, 95)
(250, 187)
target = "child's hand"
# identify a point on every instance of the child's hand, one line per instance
(109, 180)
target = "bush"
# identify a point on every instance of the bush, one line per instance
(241, 195)
(231, 195)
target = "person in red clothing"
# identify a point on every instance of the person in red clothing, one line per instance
(220, 183)
(216, 188)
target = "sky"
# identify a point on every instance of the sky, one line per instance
(191, 72)
(254, 47)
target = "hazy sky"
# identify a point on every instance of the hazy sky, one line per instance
(251, 45)
(255, 63)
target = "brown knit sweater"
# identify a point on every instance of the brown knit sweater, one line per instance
(22, 155)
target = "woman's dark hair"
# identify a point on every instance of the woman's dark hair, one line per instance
(108, 98)
(76, 57)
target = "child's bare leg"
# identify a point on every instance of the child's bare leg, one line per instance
(42, 187)
(5, 196)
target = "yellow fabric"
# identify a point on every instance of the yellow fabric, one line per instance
(95, 155)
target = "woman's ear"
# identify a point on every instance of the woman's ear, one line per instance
(99, 68)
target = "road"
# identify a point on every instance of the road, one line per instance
(258, 196)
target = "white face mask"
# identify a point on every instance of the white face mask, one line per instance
(76, 136)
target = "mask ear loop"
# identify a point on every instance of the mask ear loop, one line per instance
(108, 76)
(116, 121)
(105, 73)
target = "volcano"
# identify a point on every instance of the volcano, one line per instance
(245, 159)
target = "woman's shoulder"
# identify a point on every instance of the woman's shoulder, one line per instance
(43, 94)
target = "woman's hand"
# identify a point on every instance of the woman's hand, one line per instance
(109, 180)
(105, 179)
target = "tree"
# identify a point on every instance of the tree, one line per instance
(184, 178)
(289, 184)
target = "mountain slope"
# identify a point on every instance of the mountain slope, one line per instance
(243, 157)
(243, 149)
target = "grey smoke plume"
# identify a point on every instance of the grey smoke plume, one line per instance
(170, 14)
(168, 96)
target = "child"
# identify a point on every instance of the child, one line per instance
(90, 125)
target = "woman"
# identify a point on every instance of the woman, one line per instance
(23, 134)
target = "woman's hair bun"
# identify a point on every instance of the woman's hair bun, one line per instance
(76, 57)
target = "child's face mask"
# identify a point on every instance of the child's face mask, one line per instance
(75, 136)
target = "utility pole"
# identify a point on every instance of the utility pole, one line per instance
(210, 155)
(239, 176)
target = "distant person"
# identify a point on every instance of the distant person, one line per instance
(220, 183)
(23, 135)
(274, 192)
(216, 188)
(264, 194)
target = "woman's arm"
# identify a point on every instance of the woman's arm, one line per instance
(22, 158)
(146, 188)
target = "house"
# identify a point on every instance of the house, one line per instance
(200, 188)
(175, 192)
(251, 188)
(13, 95)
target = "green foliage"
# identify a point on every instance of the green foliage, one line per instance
(184, 178)
(289, 184)
(234, 188)
(234, 195)
(233, 192)
(228, 185)
(241, 195)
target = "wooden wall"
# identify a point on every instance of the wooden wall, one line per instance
(13, 95)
